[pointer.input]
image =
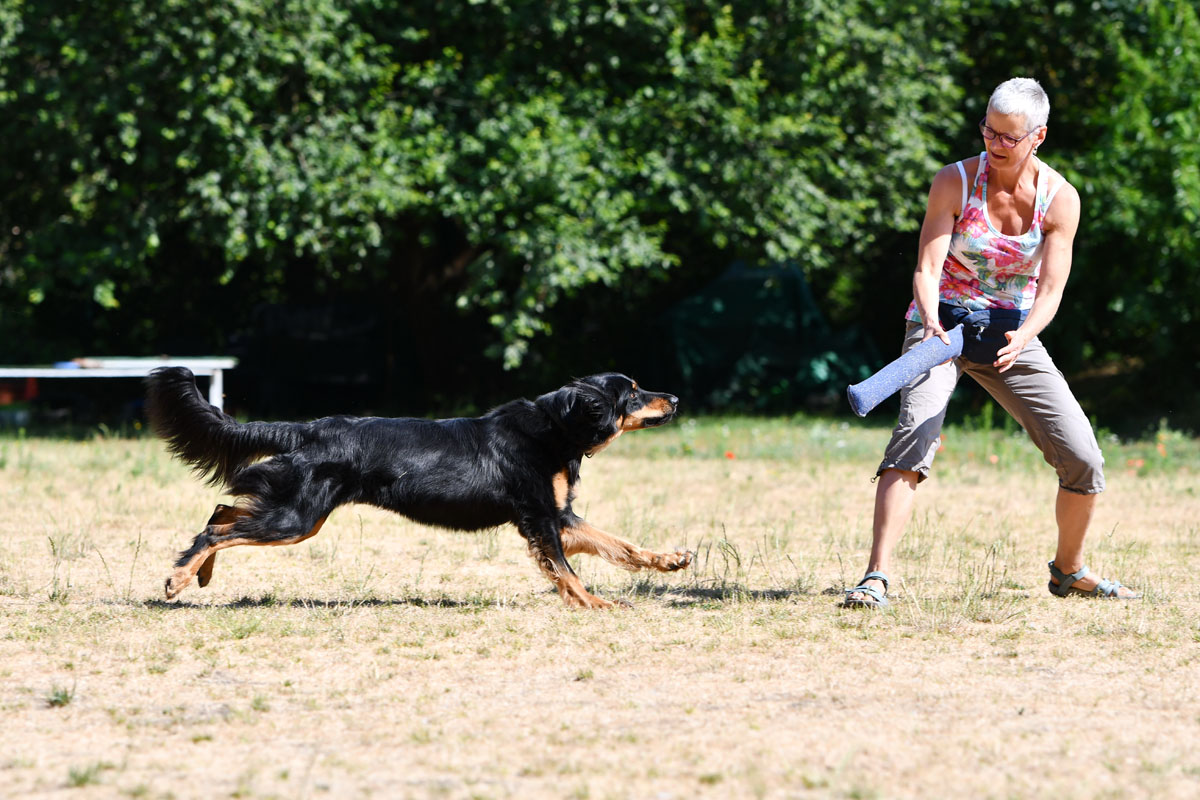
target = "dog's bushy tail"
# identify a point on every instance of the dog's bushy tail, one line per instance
(214, 443)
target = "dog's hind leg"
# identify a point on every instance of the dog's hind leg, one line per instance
(580, 536)
(215, 537)
(223, 515)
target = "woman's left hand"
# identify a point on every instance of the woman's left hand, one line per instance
(1007, 356)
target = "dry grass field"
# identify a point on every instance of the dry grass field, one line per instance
(382, 659)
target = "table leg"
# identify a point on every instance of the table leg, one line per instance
(216, 389)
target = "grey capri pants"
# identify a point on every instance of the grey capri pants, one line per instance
(1033, 391)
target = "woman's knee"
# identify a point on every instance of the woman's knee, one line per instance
(1082, 472)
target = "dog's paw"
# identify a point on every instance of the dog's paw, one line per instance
(584, 599)
(596, 603)
(173, 587)
(670, 562)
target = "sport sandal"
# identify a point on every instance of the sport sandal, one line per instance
(1066, 586)
(874, 598)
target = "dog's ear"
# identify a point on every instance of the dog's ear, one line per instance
(582, 412)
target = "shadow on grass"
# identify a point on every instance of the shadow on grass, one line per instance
(304, 602)
(673, 597)
(687, 596)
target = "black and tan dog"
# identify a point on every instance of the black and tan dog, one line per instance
(518, 463)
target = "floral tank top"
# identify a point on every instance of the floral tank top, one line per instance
(985, 268)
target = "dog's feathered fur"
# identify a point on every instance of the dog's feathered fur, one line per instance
(518, 463)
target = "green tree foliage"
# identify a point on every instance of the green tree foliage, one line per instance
(158, 149)
(170, 165)
(507, 154)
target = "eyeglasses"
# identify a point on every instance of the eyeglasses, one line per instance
(1005, 139)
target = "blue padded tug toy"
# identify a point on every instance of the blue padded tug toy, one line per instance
(887, 381)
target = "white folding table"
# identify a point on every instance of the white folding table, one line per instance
(212, 367)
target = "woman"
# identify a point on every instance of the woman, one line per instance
(995, 252)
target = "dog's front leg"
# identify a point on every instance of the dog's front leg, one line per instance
(580, 536)
(546, 548)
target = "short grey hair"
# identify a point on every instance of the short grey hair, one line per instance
(1024, 97)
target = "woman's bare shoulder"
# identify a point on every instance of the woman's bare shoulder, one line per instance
(948, 187)
(949, 177)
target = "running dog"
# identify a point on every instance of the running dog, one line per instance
(518, 463)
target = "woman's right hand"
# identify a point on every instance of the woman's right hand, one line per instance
(935, 329)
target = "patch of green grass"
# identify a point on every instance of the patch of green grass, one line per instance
(241, 626)
(89, 775)
(60, 696)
